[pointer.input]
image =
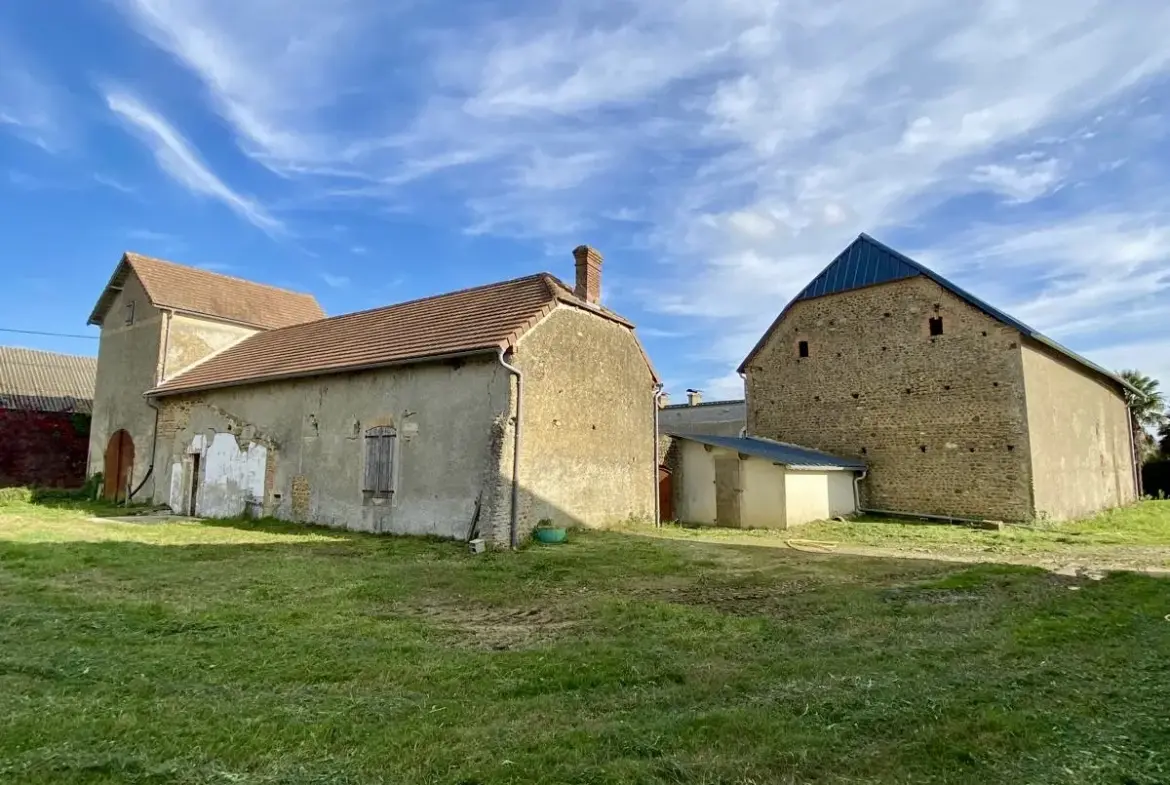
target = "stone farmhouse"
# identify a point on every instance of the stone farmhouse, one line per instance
(473, 413)
(157, 320)
(956, 408)
(45, 404)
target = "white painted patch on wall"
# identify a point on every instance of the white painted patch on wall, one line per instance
(231, 477)
(175, 499)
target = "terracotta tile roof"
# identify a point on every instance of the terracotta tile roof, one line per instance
(196, 291)
(483, 319)
(46, 381)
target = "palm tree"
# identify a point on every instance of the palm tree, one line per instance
(1148, 408)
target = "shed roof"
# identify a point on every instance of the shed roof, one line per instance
(729, 402)
(867, 262)
(791, 455)
(202, 292)
(483, 319)
(46, 381)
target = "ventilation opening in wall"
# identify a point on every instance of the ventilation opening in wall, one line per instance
(936, 325)
(802, 349)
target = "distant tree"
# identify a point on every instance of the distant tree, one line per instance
(1164, 436)
(1149, 408)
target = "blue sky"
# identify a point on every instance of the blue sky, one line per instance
(718, 153)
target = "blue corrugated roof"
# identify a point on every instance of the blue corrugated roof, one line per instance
(778, 452)
(864, 263)
(867, 262)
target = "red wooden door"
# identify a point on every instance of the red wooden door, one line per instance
(118, 465)
(665, 495)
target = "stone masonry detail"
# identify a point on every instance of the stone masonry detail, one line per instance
(940, 420)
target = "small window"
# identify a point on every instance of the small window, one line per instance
(936, 327)
(802, 348)
(130, 312)
(379, 476)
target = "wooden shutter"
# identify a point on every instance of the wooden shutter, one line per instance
(379, 473)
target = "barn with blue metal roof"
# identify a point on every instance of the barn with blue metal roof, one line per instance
(956, 408)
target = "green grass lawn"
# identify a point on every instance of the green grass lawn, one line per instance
(270, 653)
(1137, 536)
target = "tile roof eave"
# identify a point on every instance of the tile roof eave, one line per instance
(162, 305)
(165, 390)
(106, 298)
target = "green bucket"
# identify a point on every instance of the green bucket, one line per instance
(550, 535)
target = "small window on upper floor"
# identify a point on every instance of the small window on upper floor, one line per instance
(936, 325)
(130, 312)
(802, 349)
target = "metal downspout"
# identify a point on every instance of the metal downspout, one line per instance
(160, 372)
(514, 523)
(857, 478)
(657, 458)
(153, 450)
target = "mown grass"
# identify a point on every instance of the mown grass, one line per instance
(270, 653)
(1138, 533)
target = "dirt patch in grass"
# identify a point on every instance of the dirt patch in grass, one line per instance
(478, 626)
(742, 601)
(915, 595)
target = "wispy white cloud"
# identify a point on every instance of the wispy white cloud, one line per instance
(150, 234)
(26, 181)
(1022, 181)
(743, 142)
(336, 281)
(182, 163)
(269, 66)
(113, 183)
(30, 105)
(1092, 274)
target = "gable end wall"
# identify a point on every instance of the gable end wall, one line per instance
(587, 456)
(129, 358)
(941, 422)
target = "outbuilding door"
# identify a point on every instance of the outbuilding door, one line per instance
(119, 465)
(665, 495)
(727, 489)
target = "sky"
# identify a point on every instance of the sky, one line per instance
(718, 153)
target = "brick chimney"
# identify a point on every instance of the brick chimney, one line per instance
(588, 274)
(664, 400)
(694, 397)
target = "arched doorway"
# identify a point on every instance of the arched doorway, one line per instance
(119, 465)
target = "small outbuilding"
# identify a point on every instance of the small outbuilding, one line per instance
(45, 404)
(753, 483)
